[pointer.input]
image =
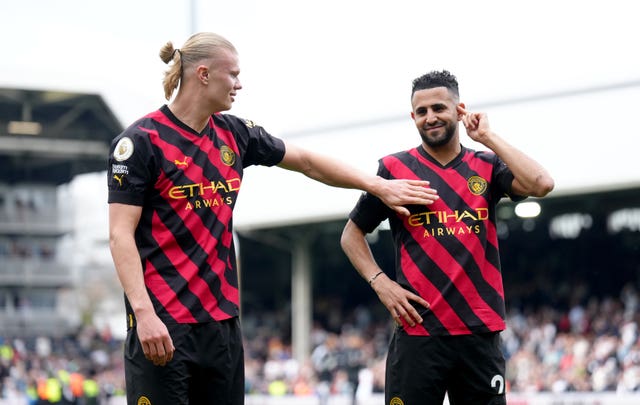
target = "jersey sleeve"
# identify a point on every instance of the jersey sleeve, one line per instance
(260, 147)
(370, 211)
(503, 178)
(131, 168)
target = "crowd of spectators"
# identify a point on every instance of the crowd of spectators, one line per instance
(592, 345)
(84, 368)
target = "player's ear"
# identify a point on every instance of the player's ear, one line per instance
(203, 73)
(461, 109)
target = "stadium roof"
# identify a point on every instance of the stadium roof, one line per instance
(585, 137)
(51, 136)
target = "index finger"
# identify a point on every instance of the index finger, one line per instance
(461, 110)
(415, 182)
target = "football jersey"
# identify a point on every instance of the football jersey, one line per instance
(447, 252)
(187, 184)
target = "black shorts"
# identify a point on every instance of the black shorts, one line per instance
(207, 367)
(421, 369)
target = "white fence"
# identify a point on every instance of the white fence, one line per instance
(575, 398)
(512, 399)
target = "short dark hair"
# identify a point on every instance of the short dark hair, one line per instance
(436, 79)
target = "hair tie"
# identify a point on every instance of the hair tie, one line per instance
(173, 54)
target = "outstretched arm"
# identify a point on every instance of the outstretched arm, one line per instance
(530, 178)
(394, 193)
(152, 332)
(390, 293)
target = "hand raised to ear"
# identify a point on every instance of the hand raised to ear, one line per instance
(476, 125)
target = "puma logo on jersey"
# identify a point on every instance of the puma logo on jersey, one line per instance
(118, 179)
(183, 163)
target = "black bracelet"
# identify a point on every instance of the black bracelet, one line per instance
(375, 276)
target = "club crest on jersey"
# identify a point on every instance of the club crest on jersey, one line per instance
(249, 123)
(227, 155)
(477, 185)
(396, 401)
(144, 401)
(123, 150)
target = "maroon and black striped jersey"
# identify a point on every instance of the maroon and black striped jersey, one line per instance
(447, 252)
(187, 184)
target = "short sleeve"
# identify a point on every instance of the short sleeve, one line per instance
(370, 211)
(260, 147)
(131, 168)
(503, 178)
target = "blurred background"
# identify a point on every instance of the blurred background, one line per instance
(560, 80)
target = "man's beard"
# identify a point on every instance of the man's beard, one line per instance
(450, 131)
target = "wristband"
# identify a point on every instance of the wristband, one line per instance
(375, 276)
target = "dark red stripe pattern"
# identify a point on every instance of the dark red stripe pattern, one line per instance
(194, 195)
(448, 251)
